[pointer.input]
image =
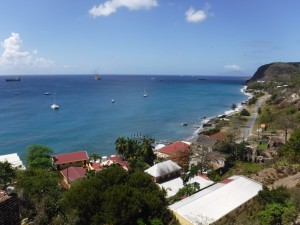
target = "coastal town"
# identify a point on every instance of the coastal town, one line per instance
(221, 177)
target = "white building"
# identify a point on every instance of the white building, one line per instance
(213, 204)
(13, 159)
(173, 186)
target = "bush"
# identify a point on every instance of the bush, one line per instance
(244, 112)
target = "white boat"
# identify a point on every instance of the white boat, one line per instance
(145, 93)
(54, 106)
(47, 93)
(112, 101)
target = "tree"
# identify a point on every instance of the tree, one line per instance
(38, 156)
(291, 149)
(7, 173)
(116, 197)
(244, 112)
(39, 192)
(233, 106)
(95, 156)
(121, 146)
(287, 123)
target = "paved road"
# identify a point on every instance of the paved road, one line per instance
(247, 130)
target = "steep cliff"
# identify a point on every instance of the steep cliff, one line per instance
(277, 72)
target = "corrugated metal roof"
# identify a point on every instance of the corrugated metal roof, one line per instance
(13, 159)
(216, 201)
(173, 186)
(163, 168)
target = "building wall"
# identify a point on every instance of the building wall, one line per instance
(9, 211)
(65, 165)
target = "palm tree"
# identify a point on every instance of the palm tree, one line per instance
(121, 146)
(95, 156)
(147, 151)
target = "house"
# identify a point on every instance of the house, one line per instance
(164, 171)
(95, 166)
(9, 209)
(71, 174)
(219, 136)
(171, 150)
(173, 186)
(116, 160)
(206, 141)
(65, 160)
(219, 203)
(14, 160)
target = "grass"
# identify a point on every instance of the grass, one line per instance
(245, 168)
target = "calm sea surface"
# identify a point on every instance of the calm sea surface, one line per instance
(87, 118)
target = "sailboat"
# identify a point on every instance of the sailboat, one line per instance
(145, 93)
(54, 105)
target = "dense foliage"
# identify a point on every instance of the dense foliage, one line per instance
(116, 197)
(38, 156)
(211, 131)
(133, 149)
(244, 112)
(7, 173)
(278, 207)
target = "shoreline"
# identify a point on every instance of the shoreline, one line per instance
(226, 113)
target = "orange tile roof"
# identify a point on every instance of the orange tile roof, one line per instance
(173, 149)
(219, 136)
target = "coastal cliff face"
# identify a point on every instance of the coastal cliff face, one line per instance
(277, 72)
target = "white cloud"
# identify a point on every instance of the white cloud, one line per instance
(193, 16)
(111, 6)
(233, 67)
(15, 57)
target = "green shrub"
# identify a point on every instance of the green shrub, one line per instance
(244, 112)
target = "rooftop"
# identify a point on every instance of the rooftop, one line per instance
(163, 168)
(173, 186)
(219, 136)
(217, 200)
(174, 148)
(73, 173)
(13, 159)
(70, 157)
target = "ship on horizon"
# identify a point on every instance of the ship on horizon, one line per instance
(13, 79)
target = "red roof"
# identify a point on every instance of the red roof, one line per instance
(73, 173)
(96, 166)
(219, 136)
(118, 160)
(70, 157)
(173, 149)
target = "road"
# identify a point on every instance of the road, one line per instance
(247, 130)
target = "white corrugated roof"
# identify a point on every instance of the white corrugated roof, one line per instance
(13, 159)
(216, 201)
(163, 168)
(173, 186)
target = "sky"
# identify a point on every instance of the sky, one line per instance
(149, 37)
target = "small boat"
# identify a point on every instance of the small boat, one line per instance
(112, 101)
(54, 106)
(97, 77)
(145, 93)
(47, 93)
(13, 79)
(184, 124)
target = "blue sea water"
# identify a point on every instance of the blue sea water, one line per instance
(87, 118)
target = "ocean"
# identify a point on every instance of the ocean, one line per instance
(88, 120)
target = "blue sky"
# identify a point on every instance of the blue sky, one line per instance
(185, 37)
